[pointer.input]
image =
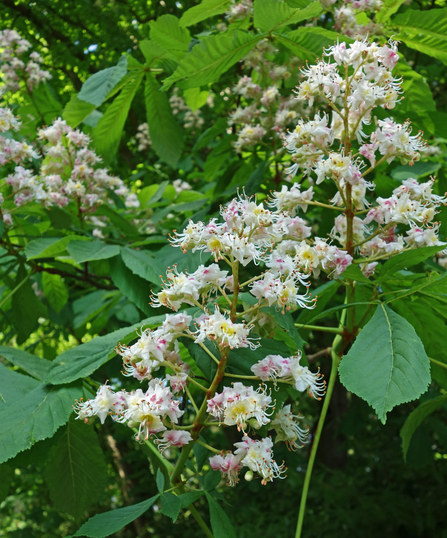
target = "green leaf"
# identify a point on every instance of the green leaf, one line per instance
(195, 98)
(76, 473)
(165, 132)
(170, 505)
(106, 524)
(168, 256)
(151, 51)
(123, 225)
(14, 386)
(210, 58)
(49, 247)
(324, 294)
(34, 417)
(107, 134)
(271, 15)
(415, 419)
(220, 522)
(418, 104)
(430, 328)
(55, 291)
(31, 364)
(76, 111)
(212, 480)
(407, 259)
(203, 11)
(83, 251)
(26, 308)
(143, 264)
(308, 43)
(188, 498)
(132, 286)
(286, 322)
(254, 181)
(389, 7)
(201, 357)
(353, 272)
(83, 360)
(160, 481)
(425, 31)
(96, 88)
(168, 35)
(418, 170)
(387, 365)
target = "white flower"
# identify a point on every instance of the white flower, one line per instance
(286, 426)
(220, 328)
(229, 465)
(258, 456)
(239, 404)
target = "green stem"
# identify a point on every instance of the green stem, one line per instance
(164, 462)
(208, 446)
(194, 382)
(334, 330)
(313, 452)
(200, 521)
(191, 399)
(440, 364)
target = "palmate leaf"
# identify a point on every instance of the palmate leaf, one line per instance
(308, 43)
(131, 285)
(387, 365)
(55, 291)
(165, 132)
(108, 523)
(49, 247)
(107, 134)
(168, 35)
(389, 7)
(76, 473)
(204, 11)
(212, 57)
(415, 419)
(14, 386)
(271, 15)
(143, 264)
(31, 364)
(95, 88)
(35, 416)
(425, 31)
(83, 251)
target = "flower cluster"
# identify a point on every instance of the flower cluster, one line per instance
(256, 455)
(152, 411)
(191, 119)
(352, 98)
(289, 369)
(241, 9)
(247, 234)
(68, 171)
(153, 348)
(143, 138)
(347, 17)
(14, 66)
(262, 112)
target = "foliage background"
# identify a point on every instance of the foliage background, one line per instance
(361, 485)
